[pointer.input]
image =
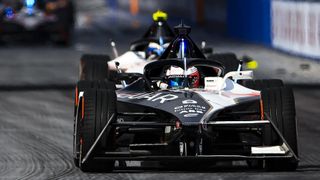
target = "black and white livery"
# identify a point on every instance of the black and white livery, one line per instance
(185, 108)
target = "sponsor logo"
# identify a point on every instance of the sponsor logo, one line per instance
(189, 101)
(158, 97)
(190, 108)
(213, 83)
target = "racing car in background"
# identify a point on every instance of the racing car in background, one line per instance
(185, 108)
(147, 49)
(49, 19)
(150, 48)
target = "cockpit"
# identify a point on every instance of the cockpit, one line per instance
(182, 65)
(177, 74)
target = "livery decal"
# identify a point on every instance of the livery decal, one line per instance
(190, 108)
(158, 97)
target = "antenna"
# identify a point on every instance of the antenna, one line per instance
(117, 64)
(203, 44)
(114, 48)
(123, 82)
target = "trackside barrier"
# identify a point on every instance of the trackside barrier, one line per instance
(296, 27)
(249, 20)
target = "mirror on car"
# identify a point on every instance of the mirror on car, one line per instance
(239, 75)
(236, 75)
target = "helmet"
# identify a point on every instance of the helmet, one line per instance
(154, 49)
(176, 78)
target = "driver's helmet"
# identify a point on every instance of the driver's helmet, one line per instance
(176, 78)
(154, 49)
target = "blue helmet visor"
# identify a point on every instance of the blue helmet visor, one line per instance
(176, 82)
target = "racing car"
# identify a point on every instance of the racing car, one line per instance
(49, 19)
(182, 109)
(150, 48)
(147, 49)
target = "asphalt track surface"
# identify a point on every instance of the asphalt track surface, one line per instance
(36, 114)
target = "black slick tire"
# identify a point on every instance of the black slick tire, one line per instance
(80, 87)
(94, 67)
(278, 104)
(261, 84)
(280, 107)
(99, 103)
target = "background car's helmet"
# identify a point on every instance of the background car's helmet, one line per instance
(159, 32)
(176, 78)
(155, 50)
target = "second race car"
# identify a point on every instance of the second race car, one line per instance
(46, 19)
(147, 49)
(150, 48)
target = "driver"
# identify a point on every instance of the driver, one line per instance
(175, 78)
(155, 50)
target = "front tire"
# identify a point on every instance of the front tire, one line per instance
(278, 104)
(280, 107)
(94, 67)
(261, 84)
(99, 103)
(80, 87)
